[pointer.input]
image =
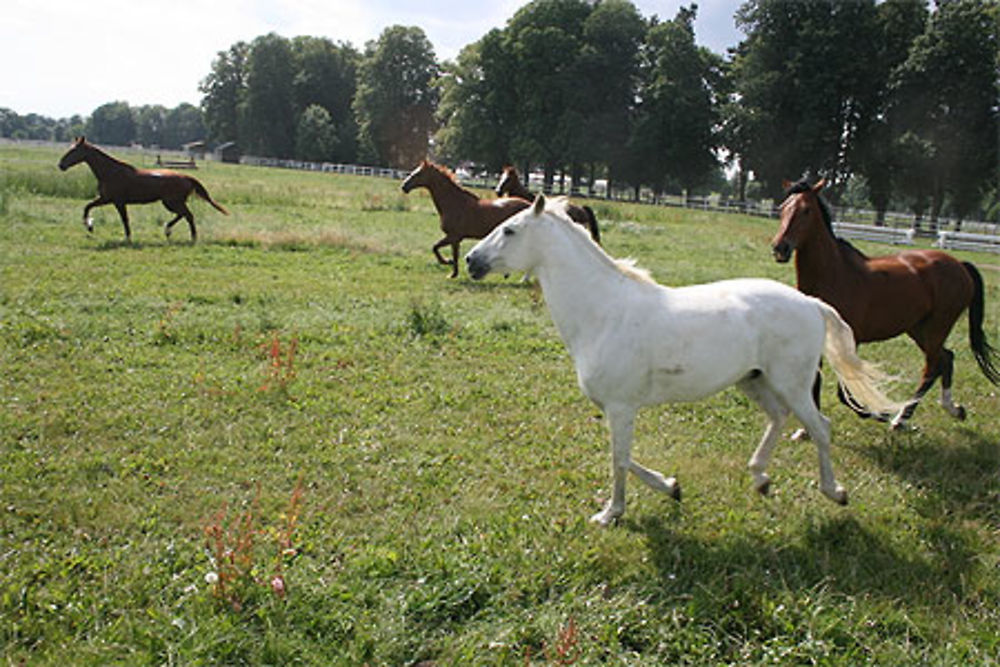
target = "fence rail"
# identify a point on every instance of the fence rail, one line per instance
(852, 218)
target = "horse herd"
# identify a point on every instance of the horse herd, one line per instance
(635, 342)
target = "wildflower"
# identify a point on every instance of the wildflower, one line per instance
(278, 585)
(212, 578)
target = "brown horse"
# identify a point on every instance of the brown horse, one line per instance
(917, 292)
(463, 214)
(120, 183)
(510, 184)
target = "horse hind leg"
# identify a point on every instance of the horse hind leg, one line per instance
(933, 368)
(800, 402)
(947, 373)
(757, 389)
(180, 210)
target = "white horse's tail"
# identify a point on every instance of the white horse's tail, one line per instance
(861, 380)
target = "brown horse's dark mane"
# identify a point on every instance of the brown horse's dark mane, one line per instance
(803, 187)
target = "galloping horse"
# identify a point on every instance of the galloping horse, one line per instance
(637, 343)
(510, 184)
(463, 214)
(917, 292)
(120, 183)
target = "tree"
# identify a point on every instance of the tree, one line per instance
(673, 141)
(268, 118)
(149, 122)
(945, 101)
(326, 75)
(315, 135)
(875, 153)
(477, 112)
(544, 42)
(609, 64)
(396, 100)
(224, 91)
(113, 124)
(802, 75)
(183, 124)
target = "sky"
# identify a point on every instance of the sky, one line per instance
(66, 57)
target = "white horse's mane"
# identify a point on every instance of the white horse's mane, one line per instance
(626, 266)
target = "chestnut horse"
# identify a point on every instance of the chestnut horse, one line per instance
(120, 183)
(510, 184)
(463, 214)
(917, 292)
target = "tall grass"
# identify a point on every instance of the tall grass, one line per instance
(443, 461)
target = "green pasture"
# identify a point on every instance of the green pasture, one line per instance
(299, 442)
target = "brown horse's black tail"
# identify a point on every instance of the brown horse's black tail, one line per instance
(595, 231)
(986, 355)
(203, 193)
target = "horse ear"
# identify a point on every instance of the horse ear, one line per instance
(539, 206)
(820, 184)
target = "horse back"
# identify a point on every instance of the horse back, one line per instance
(481, 217)
(145, 186)
(895, 293)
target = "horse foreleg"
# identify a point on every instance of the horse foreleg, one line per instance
(454, 259)
(620, 421)
(88, 222)
(123, 214)
(437, 251)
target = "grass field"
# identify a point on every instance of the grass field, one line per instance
(299, 442)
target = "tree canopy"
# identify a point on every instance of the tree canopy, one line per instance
(897, 97)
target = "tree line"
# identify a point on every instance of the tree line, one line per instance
(896, 102)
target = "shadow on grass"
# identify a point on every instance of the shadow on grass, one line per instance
(837, 553)
(958, 475)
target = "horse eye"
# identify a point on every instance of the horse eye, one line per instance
(507, 231)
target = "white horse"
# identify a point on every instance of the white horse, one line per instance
(637, 343)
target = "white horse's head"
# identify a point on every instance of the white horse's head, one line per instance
(511, 246)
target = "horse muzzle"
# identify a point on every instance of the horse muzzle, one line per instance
(477, 266)
(782, 251)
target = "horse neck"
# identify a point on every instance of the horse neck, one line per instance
(103, 165)
(515, 188)
(581, 287)
(446, 193)
(818, 261)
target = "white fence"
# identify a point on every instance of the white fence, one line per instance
(898, 228)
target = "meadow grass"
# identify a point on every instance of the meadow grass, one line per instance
(299, 442)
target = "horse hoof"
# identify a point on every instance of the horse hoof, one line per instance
(603, 519)
(960, 414)
(764, 488)
(838, 495)
(801, 435)
(675, 492)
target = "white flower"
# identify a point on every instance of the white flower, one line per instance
(212, 578)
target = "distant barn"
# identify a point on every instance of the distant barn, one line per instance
(228, 152)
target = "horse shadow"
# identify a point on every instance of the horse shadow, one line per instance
(958, 475)
(748, 576)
